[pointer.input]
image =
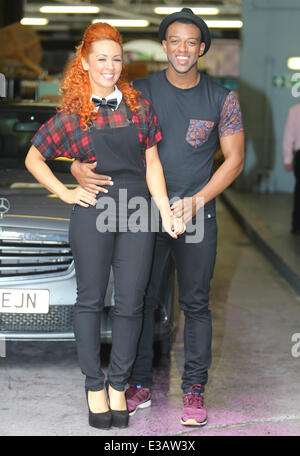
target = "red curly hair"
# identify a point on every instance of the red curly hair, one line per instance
(76, 89)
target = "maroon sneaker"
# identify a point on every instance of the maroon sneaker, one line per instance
(137, 397)
(194, 413)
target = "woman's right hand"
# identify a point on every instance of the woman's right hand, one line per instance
(78, 196)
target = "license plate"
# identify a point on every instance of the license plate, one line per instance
(24, 301)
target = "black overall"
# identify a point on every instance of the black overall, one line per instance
(118, 155)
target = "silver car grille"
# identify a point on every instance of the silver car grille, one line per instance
(59, 318)
(31, 258)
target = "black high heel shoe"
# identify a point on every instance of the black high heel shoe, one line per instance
(120, 418)
(99, 420)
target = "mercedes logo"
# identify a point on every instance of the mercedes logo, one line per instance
(4, 206)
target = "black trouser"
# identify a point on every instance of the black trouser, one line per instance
(130, 255)
(194, 263)
(296, 209)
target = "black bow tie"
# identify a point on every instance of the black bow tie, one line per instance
(112, 103)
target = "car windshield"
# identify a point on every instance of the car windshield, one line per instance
(17, 127)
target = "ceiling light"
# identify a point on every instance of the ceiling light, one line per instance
(224, 24)
(293, 63)
(34, 21)
(169, 10)
(124, 22)
(70, 9)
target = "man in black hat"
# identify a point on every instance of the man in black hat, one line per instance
(195, 114)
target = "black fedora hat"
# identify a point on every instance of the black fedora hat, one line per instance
(186, 13)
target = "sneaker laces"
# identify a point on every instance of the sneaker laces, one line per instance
(194, 397)
(137, 391)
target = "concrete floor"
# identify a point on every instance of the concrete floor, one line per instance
(266, 218)
(253, 387)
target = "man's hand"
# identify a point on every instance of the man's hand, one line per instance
(88, 179)
(187, 207)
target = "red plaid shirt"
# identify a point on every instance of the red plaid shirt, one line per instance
(62, 135)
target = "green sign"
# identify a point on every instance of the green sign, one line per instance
(285, 80)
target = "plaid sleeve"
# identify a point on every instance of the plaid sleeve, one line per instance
(231, 116)
(52, 139)
(154, 132)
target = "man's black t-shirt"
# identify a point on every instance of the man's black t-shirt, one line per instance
(192, 121)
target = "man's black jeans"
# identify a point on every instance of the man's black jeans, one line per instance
(194, 263)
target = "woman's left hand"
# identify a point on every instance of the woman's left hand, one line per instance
(174, 226)
(78, 196)
(179, 225)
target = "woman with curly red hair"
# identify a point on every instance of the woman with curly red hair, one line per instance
(103, 120)
(76, 89)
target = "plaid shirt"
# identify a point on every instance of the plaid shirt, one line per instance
(62, 135)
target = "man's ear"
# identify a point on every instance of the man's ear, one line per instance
(84, 64)
(164, 45)
(202, 48)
